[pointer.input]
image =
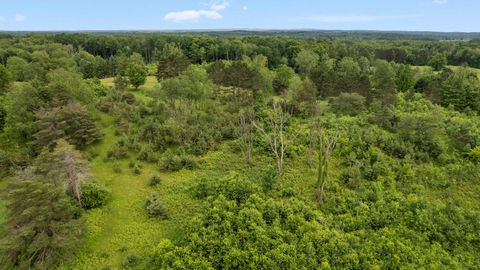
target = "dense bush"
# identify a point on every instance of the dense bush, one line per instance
(348, 103)
(118, 151)
(154, 181)
(94, 195)
(137, 169)
(171, 161)
(288, 234)
(155, 207)
(131, 260)
(233, 187)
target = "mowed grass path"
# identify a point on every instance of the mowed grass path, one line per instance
(122, 227)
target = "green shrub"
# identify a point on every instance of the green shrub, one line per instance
(475, 154)
(147, 154)
(348, 103)
(131, 164)
(155, 180)
(176, 162)
(137, 169)
(154, 207)
(269, 178)
(288, 192)
(94, 195)
(123, 248)
(118, 151)
(116, 168)
(131, 260)
(121, 83)
(232, 187)
(91, 154)
(104, 254)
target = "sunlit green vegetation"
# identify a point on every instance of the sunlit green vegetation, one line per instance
(202, 152)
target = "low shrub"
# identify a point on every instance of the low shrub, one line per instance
(116, 168)
(154, 206)
(176, 162)
(94, 195)
(147, 154)
(131, 260)
(475, 154)
(348, 103)
(155, 180)
(233, 187)
(118, 151)
(137, 169)
(91, 154)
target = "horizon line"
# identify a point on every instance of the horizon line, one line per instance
(239, 29)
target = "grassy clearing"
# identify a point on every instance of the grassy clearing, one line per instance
(139, 93)
(121, 227)
(426, 69)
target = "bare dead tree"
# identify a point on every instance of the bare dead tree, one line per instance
(70, 165)
(327, 142)
(277, 140)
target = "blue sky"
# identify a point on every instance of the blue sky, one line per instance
(422, 15)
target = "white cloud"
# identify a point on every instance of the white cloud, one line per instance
(440, 2)
(192, 15)
(211, 14)
(219, 6)
(2, 19)
(195, 15)
(245, 8)
(20, 18)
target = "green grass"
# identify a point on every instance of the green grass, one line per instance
(122, 223)
(122, 226)
(139, 93)
(426, 69)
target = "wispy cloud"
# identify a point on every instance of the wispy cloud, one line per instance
(219, 6)
(351, 18)
(2, 19)
(194, 15)
(245, 8)
(20, 17)
(440, 2)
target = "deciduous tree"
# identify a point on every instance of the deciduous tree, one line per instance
(137, 75)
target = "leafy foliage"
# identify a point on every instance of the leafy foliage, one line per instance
(94, 195)
(137, 75)
(438, 61)
(240, 113)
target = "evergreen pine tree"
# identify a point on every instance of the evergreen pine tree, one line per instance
(171, 62)
(71, 122)
(42, 225)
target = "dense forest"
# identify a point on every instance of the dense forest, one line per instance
(239, 151)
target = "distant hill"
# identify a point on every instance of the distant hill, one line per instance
(300, 33)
